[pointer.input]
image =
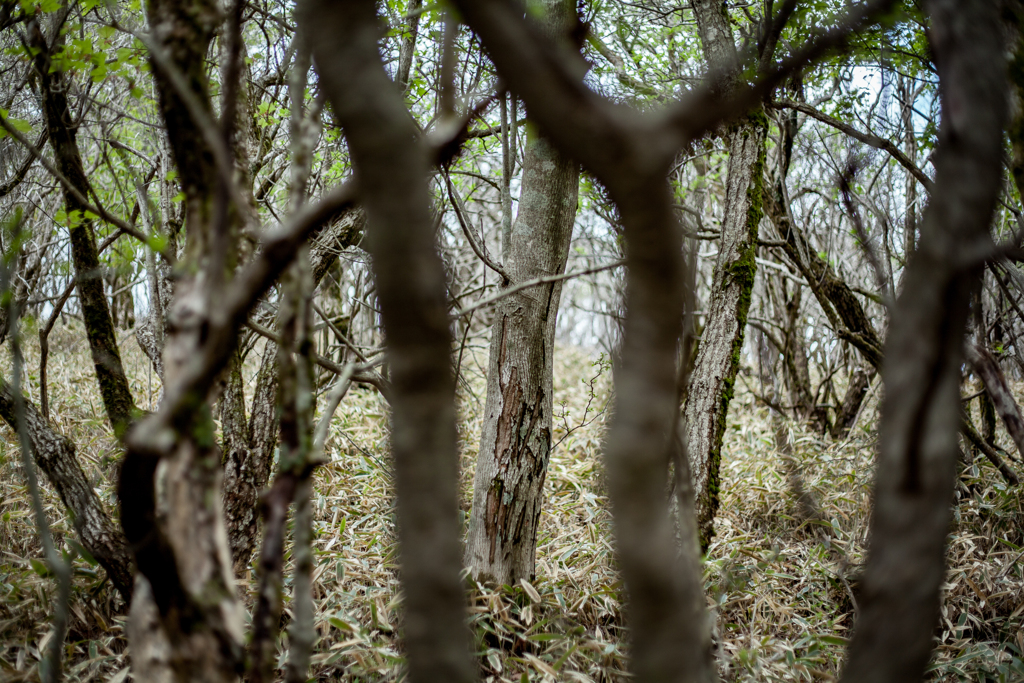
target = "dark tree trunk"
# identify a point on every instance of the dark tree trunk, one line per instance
(844, 312)
(99, 326)
(860, 380)
(918, 446)
(55, 456)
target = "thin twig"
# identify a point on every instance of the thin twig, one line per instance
(547, 279)
(479, 249)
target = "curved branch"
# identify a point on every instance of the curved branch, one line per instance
(867, 138)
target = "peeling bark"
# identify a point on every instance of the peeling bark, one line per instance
(178, 533)
(515, 442)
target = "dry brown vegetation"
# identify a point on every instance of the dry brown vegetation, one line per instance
(783, 593)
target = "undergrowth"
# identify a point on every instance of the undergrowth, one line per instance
(782, 592)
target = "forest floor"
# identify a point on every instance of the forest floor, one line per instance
(782, 591)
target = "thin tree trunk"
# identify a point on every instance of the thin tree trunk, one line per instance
(918, 446)
(99, 326)
(516, 438)
(408, 49)
(860, 380)
(721, 342)
(999, 392)
(844, 312)
(391, 165)
(247, 465)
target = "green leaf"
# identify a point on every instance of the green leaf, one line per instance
(39, 567)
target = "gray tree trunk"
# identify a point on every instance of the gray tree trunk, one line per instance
(516, 439)
(718, 354)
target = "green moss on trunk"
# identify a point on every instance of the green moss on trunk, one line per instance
(740, 273)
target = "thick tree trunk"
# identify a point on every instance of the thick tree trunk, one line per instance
(178, 532)
(516, 437)
(391, 166)
(918, 447)
(718, 353)
(55, 456)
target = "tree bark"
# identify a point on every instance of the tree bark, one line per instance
(721, 342)
(999, 392)
(515, 442)
(391, 166)
(247, 461)
(178, 533)
(837, 300)
(918, 446)
(55, 456)
(860, 380)
(669, 629)
(99, 326)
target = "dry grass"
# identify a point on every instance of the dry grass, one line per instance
(783, 593)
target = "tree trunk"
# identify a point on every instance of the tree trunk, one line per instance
(178, 533)
(99, 326)
(516, 439)
(55, 456)
(718, 353)
(860, 380)
(918, 448)
(391, 165)
(247, 462)
(998, 391)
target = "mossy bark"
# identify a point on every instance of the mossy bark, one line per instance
(718, 354)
